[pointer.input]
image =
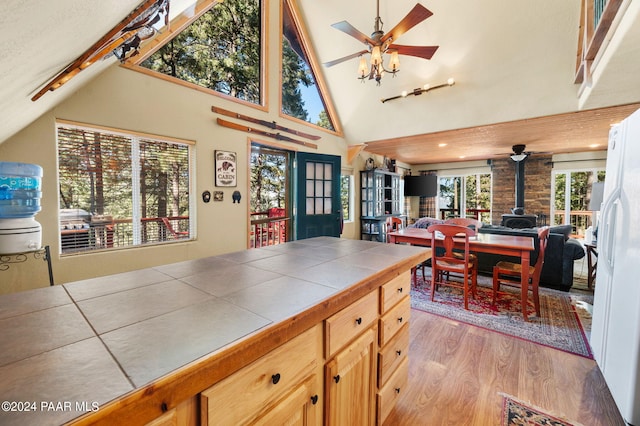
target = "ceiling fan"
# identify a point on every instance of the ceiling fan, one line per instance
(380, 43)
(520, 154)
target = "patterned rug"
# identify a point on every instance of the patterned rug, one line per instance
(558, 325)
(517, 413)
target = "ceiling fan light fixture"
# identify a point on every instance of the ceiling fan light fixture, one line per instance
(376, 56)
(518, 153)
(380, 44)
(394, 62)
(518, 157)
(363, 69)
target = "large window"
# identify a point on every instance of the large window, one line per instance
(301, 95)
(120, 190)
(220, 51)
(346, 196)
(465, 196)
(571, 195)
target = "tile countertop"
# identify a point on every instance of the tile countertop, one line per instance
(70, 349)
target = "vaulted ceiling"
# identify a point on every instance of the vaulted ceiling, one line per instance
(514, 64)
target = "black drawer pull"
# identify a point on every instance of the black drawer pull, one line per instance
(399, 352)
(400, 319)
(336, 378)
(275, 378)
(314, 399)
(400, 290)
(359, 320)
(397, 390)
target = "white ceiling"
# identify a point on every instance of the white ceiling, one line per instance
(511, 60)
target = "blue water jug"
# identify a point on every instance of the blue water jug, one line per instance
(20, 189)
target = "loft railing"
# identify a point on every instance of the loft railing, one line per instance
(596, 19)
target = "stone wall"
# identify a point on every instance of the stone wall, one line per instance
(537, 187)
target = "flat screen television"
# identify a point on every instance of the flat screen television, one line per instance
(421, 186)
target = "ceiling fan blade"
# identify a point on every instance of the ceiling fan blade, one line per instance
(425, 52)
(418, 14)
(346, 27)
(345, 58)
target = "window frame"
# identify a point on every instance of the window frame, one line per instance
(312, 62)
(350, 195)
(182, 21)
(568, 172)
(138, 136)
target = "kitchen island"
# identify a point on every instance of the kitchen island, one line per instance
(157, 344)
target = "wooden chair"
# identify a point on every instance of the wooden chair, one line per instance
(445, 261)
(172, 231)
(509, 273)
(393, 224)
(469, 223)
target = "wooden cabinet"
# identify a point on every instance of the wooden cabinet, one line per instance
(283, 384)
(395, 310)
(380, 198)
(350, 371)
(350, 383)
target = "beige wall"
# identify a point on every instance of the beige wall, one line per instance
(129, 100)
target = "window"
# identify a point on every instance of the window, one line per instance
(301, 95)
(221, 50)
(120, 190)
(571, 195)
(465, 196)
(346, 196)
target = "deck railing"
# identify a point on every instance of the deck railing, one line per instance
(119, 233)
(268, 231)
(579, 220)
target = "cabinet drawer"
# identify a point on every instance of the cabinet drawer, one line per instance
(240, 398)
(394, 290)
(345, 325)
(391, 322)
(391, 392)
(392, 354)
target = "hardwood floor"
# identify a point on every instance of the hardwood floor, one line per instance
(458, 373)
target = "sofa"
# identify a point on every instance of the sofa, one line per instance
(561, 252)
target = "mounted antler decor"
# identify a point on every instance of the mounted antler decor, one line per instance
(122, 41)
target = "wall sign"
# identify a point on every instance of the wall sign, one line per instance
(225, 167)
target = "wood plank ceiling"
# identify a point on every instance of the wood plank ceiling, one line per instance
(563, 133)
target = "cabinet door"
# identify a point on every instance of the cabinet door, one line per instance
(300, 407)
(350, 383)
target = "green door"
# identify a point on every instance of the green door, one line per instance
(318, 195)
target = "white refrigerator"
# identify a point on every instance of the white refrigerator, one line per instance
(615, 333)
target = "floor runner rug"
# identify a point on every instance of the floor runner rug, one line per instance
(517, 413)
(558, 325)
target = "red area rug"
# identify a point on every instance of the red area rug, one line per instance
(517, 413)
(557, 327)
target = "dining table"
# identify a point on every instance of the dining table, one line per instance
(507, 245)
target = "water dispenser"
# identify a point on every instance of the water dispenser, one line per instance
(20, 193)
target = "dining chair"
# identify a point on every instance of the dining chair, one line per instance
(469, 223)
(444, 260)
(169, 227)
(509, 273)
(393, 224)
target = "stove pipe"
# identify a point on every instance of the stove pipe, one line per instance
(520, 184)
